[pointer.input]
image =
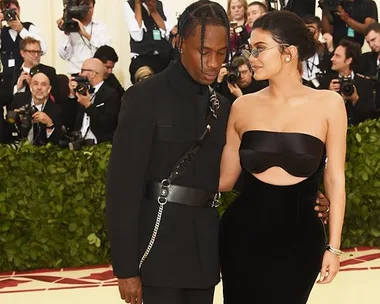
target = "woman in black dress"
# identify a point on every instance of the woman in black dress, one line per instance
(283, 138)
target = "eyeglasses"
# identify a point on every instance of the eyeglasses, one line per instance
(255, 52)
(88, 70)
(33, 52)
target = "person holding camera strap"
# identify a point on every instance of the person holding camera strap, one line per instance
(355, 89)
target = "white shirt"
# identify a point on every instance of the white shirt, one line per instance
(32, 32)
(40, 107)
(75, 48)
(137, 33)
(24, 69)
(310, 68)
(87, 120)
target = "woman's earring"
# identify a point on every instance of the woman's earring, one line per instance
(180, 51)
(287, 59)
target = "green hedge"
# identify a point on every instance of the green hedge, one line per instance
(52, 202)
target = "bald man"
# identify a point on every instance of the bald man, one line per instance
(46, 123)
(94, 114)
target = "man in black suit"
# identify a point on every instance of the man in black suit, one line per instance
(300, 7)
(45, 124)
(95, 112)
(358, 96)
(370, 61)
(30, 50)
(108, 56)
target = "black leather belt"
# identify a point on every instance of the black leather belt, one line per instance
(182, 195)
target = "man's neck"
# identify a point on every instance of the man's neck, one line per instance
(345, 72)
(28, 65)
(38, 102)
(87, 22)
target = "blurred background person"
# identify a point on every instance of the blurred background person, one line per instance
(108, 56)
(149, 26)
(254, 11)
(239, 32)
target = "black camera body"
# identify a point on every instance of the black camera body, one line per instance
(9, 13)
(232, 65)
(233, 73)
(83, 84)
(74, 141)
(347, 86)
(23, 119)
(73, 9)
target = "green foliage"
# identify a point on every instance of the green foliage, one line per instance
(52, 202)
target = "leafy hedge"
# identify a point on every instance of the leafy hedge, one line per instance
(52, 202)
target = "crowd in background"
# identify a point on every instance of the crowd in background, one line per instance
(82, 108)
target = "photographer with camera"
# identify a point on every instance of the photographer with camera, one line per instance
(239, 29)
(82, 35)
(370, 61)
(355, 89)
(10, 37)
(236, 79)
(149, 26)
(347, 18)
(30, 50)
(92, 107)
(34, 115)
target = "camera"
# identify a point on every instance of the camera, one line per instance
(9, 14)
(346, 86)
(233, 65)
(73, 9)
(74, 141)
(23, 119)
(83, 84)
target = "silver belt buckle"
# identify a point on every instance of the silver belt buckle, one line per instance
(216, 200)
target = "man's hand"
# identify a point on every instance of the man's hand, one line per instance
(16, 25)
(151, 4)
(84, 100)
(322, 207)
(234, 89)
(334, 85)
(328, 38)
(20, 82)
(353, 98)
(130, 290)
(42, 117)
(342, 14)
(82, 30)
(223, 72)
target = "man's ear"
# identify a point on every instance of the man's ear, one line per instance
(348, 60)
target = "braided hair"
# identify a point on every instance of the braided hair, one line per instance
(202, 12)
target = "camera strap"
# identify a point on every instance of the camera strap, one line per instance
(181, 165)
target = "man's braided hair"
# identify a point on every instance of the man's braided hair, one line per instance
(202, 12)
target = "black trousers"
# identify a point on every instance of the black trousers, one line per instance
(155, 62)
(158, 295)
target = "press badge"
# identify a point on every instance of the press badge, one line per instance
(315, 83)
(156, 34)
(11, 63)
(350, 32)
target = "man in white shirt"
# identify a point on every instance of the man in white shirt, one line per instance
(76, 47)
(149, 26)
(11, 36)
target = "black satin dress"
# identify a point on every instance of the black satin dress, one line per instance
(271, 239)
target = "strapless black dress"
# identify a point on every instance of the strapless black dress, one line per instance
(271, 239)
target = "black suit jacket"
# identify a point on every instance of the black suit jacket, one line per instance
(52, 109)
(364, 108)
(103, 113)
(50, 73)
(301, 7)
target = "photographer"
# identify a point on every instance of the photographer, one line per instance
(42, 122)
(30, 50)
(369, 62)
(355, 89)
(11, 35)
(92, 107)
(316, 67)
(348, 18)
(108, 56)
(236, 79)
(149, 28)
(76, 47)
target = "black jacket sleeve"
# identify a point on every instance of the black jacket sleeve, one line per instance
(364, 108)
(126, 179)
